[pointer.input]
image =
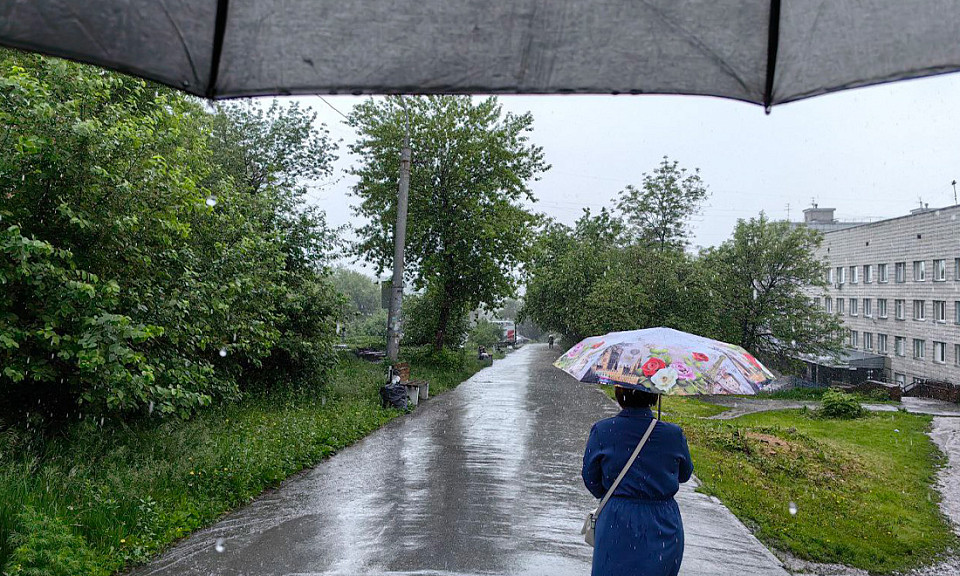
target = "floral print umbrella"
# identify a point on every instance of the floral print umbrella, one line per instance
(665, 361)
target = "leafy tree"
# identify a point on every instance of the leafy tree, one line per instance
(566, 267)
(761, 281)
(467, 230)
(278, 147)
(362, 293)
(509, 309)
(421, 313)
(139, 271)
(485, 333)
(588, 281)
(659, 211)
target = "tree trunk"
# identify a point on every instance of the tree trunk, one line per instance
(442, 323)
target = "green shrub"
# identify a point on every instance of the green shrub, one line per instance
(485, 333)
(877, 394)
(839, 405)
(153, 252)
(421, 316)
(45, 546)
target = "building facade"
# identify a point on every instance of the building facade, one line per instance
(896, 285)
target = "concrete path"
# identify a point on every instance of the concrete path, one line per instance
(740, 406)
(484, 479)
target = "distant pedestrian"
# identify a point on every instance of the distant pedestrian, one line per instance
(639, 531)
(550, 341)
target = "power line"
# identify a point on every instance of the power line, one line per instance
(332, 106)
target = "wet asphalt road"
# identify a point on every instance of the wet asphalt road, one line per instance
(481, 480)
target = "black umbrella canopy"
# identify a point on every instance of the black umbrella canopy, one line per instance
(761, 51)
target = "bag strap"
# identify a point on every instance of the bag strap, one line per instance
(626, 467)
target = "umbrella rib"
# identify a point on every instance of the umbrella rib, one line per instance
(773, 44)
(219, 31)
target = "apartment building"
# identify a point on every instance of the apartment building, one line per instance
(896, 285)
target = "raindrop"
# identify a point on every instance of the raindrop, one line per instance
(219, 547)
(150, 408)
(323, 400)
(223, 352)
(234, 336)
(793, 509)
(211, 201)
(896, 430)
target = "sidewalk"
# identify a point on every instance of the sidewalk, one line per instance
(740, 406)
(484, 479)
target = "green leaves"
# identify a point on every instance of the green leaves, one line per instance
(120, 284)
(764, 277)
(468, 232)
(658, 212)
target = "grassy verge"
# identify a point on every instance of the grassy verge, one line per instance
(99, 498)
(863, 489)
(816, 394)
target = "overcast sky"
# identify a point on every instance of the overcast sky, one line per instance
(869, 153)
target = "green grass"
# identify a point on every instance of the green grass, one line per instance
(98, 499)
(676, 408)
(816, 394)
(864, 492)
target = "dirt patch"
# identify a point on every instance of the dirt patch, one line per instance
(770, 444)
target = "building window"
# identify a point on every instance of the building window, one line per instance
(898, 306)
(939, 270)
(919, 270)
(900, 271)
(919, 347)
(841, 275)
(868, 341)
(867, 273)
(900, 379)
(939, 352)
(854, 338)
(816, 301)
(882, 273)
(900, 345)
(940, 310)
(840, 302)
(828, 304)
(919, 310)
(956, 354)
(868, 308)
(853, 306)
(882, 307)
(854, 275)
(882, 343)
(956, 312)
(956, 269)
(829, 275)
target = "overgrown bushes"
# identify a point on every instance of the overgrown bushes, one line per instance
(836, 404)
(153, 253)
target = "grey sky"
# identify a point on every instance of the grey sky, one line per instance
(870, 153)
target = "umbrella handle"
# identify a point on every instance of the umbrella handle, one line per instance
(659, 397)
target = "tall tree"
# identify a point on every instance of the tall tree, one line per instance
(588, 280)
(467, 231)
(762, 280)
(659, 211)
(361, 291)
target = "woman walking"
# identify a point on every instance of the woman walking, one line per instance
(639, 531)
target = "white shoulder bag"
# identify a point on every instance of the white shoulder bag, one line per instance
(589, 526)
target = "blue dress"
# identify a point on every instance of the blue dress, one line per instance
(639, 531)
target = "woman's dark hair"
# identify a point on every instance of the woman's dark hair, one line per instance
(633, 398)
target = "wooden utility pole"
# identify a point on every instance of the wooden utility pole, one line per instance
(399, 239)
